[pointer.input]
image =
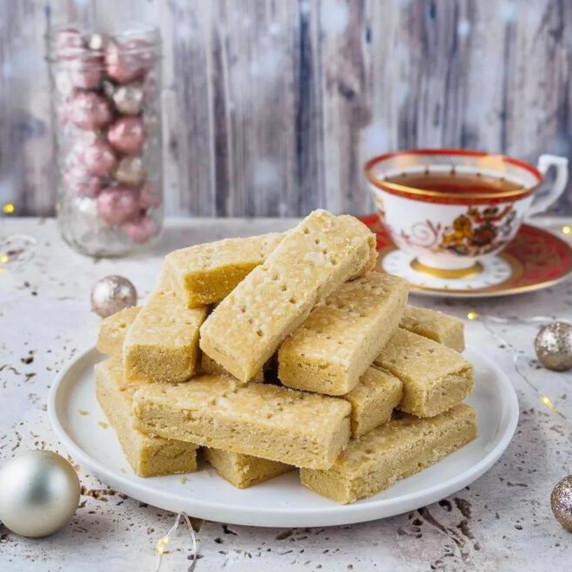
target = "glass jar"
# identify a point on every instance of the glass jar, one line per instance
(106, 109)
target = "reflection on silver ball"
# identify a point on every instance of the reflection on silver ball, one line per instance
(111, 294)
(97, 42)
(553, 345)
(39, 493)
(561, 502)
(128, 99)
(130, 171)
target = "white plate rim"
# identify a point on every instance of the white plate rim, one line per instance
(334, 515)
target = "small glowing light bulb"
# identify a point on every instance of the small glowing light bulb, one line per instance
(8, 208)
(472, 315)
(567, 229)
(547, 401)
(4, 258)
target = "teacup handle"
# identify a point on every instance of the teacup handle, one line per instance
(544, 164)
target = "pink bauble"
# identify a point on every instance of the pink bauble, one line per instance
(140, 230)
(149, 197)
(78, 182)
(127, 135)
(116, 205)
(127, 61)
(69, 44)
(85, 72)
(89, 110)
(98, 159)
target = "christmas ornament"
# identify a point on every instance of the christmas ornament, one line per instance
(129, 60)
(130, 171)
(127, 135)
(69, 43)
(116, 205)
(98, 159)
(140, 230)
(561, 502)
(80, 183)
(89, 111)
(85, 72)
(39, 493)
(128, 99)
(97, 42)
(111, 294)
(553, 345)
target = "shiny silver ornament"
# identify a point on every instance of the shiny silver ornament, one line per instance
(111, 294)
(39, 493)
(97, 42)
(108, 88)
(128, 99)
(561, 502)
(130, 171)
(553, 346)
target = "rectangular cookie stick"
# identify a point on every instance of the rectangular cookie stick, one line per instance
(210, 367)
(263, 420)
(442, 328)
(310, 262)
(162, 344)
(340, 339)
(113, 329)
(435, 377)
(207, 273)
(243, 471)
(373, 400)
(401, 448)
(148, 456)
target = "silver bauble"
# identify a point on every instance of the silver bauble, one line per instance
(39, 493)
(130, 171)
(111, 294)
(97, 42)
(128, 99)
(108, 88)
(561, 502)
(553, 345)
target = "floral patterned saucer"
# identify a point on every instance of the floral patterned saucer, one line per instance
(535, 259)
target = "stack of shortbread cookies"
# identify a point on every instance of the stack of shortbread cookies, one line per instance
(286, 351)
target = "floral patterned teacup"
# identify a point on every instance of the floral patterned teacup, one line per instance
(448, 208)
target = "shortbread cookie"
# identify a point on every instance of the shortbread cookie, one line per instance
(401, 448)
(340, 339)
(435, 377)
(373, 400)
(148, 456)
(113, 329)
(210, 367)
(267, 421)
(207, 273)
(310, 262)
(243, 471)
(442, 328)
(162, 343)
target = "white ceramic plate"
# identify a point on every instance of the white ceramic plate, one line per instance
(281, 502)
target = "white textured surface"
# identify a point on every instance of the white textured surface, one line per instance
(501, 522)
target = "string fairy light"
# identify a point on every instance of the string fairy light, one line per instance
(486, 319)
(164, 541)
(8, 208)
(566, 229)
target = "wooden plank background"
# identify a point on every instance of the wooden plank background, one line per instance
(272, 106)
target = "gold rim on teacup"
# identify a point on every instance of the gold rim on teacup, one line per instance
(486, 161)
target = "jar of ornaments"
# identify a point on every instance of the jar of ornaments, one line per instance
(106, 103)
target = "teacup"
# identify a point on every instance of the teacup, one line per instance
(449, 208)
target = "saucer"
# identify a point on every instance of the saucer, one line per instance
(535, 259)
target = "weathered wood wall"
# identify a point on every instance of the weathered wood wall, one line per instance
(271, 106)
